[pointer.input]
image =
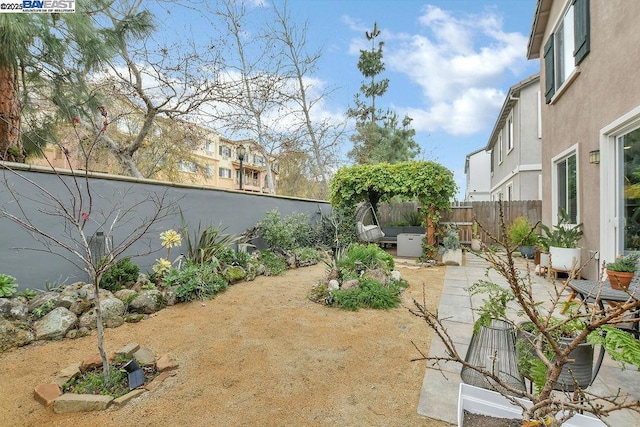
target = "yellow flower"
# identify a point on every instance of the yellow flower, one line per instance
(170, 239)
(162, 266)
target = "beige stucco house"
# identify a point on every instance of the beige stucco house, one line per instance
(590, 61)
(515, 144)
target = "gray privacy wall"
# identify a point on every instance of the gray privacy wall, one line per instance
(33, 265)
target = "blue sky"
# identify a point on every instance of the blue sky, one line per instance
(450, 62)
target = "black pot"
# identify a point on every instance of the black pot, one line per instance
(527, 251)
(581, 370)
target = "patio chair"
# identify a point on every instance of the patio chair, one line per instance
(367, 233)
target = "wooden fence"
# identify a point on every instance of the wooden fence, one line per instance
(462, 215)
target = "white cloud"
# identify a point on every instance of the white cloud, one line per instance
(460, 63)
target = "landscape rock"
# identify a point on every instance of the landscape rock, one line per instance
(128, 350)
(170, 296)
(112, 314)
(147, 302)
(55, 325)
(350, 284)
(127, 397)
(396, 276)
(95, 361)
(378, 275)
(125, 295)
(133, 317)
(65, 301)
(67, 374)
(13, 309)
(14, 334)
(144, 356)
(69, 402)
(333, 285)
(234, 274)
(47, 393)
(79, 306)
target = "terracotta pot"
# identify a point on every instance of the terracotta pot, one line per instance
(620, 279)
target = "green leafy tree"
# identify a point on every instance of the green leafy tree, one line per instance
(379, 136)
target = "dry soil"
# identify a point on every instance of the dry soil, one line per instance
(259, 354)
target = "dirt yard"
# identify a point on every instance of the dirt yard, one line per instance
(259, 354)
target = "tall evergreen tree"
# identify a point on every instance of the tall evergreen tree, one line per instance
(379, 136)
(54, 51)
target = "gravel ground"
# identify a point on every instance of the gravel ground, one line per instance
(259, 354)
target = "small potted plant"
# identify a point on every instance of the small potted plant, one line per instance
(522, 235)
(622, 270)
(452, 254)
(562, 241)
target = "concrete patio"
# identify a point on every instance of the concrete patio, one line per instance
(439, 395)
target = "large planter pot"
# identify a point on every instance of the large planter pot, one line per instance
(565, 259)
(527, 251)
(452, 257)
(486, 402)
(581, 369)
(620, 279)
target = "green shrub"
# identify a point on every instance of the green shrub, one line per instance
(369, 257)
(308, 256)
(274, 264)
(120, 275)
(521, 234)
(234, 273)
(369, 294)
(231, 257)
(44, 309)
(196, 281)
(8, 285)
(206, 245)
(285, 235)
(29, 294)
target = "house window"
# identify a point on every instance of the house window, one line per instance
(567, 186)
(510, 133)
(208, 170)
(224, 173)
(187, 166)
(500, 148)
(566, 47)
(258, 160)
(225, 152)
(209, 148)
(510, 192)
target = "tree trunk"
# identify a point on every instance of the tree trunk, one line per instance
(10, 143)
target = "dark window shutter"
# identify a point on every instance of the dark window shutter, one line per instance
(581, 29)
(549, 75)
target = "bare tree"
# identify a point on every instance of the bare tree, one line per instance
(75, 207)
(550, 353)
(318, 137)
(145, 82)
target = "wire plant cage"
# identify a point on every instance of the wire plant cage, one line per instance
(493, 348)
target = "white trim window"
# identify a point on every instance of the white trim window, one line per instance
(566, 47)
(565, 190)
(209, 170)
(509, 190)
(510, 133)
(500, 153)
(224, 151)
(224, 173)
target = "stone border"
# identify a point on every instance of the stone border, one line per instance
(50, 394)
